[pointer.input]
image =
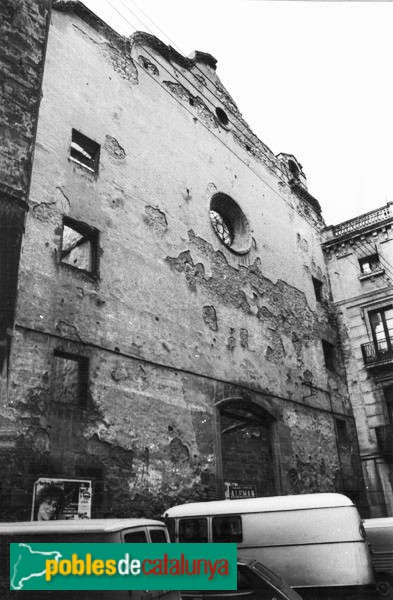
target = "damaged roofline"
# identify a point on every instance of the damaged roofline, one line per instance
(78, 8)
(138, 37)
(170, 55)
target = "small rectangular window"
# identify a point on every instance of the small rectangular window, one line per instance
(371, 263)
(317, 288)
(193, 530)
(227, 529)
(135, 537)
(79, 246)
(84, 151)
(388, 394)
(158, 536)
(329, 353)
(342, 433)
(70, 381)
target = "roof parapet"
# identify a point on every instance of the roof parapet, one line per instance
(373, 219)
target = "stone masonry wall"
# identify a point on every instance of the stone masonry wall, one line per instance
(173, 322)
(23, 31)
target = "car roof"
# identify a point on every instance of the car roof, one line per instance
(255, 505)
(76, 526)
(273, 578)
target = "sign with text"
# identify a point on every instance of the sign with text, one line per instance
(103, 566)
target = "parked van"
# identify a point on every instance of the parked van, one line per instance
(81, 531)
(316, 542)
(379, 533)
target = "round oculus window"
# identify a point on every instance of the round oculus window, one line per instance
(230, 224)
(222, 116)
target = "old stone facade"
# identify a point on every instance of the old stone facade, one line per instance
(23, 30)
(359, 255)
(174, 337)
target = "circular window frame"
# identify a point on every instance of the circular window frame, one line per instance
(235, 221)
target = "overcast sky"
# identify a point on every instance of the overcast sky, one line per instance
(313, 79)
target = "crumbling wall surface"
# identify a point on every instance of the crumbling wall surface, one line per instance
(145, 437)
(171, 314)
(23, 30)
(11, 229)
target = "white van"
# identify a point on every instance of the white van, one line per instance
(380, 535)
(81, 531)
(316, 542)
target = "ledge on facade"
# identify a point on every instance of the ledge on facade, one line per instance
(373, 273)
(298, 189)
(370, 221)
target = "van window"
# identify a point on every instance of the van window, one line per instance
(227, 529)
(193, 530)
(158, 536)
(135, 537)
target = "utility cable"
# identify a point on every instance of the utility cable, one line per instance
(382, 261)
(134, 15)
(195, 86)
(157, 27)
(219, 138)
(207, 128)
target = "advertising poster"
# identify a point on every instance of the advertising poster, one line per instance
(61, 499)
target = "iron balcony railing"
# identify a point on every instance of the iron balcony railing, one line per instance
(379, 353)
(365, 220)
(384, 435)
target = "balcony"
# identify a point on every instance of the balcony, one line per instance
(376, 355)
(369, 219)
(384, 435)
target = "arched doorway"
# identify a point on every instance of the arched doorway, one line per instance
(245, 431)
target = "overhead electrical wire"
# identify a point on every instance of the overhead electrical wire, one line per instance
(382, 260)
(195, 86)
(155, 25)
(134, 14)
(276, 192)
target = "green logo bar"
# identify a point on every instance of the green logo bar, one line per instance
(123, 566)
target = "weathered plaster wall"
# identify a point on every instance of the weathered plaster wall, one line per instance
(175, 321)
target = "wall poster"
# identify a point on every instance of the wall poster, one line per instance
(61, 499)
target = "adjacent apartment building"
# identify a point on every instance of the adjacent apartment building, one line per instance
(174, 337)
(359, 255)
